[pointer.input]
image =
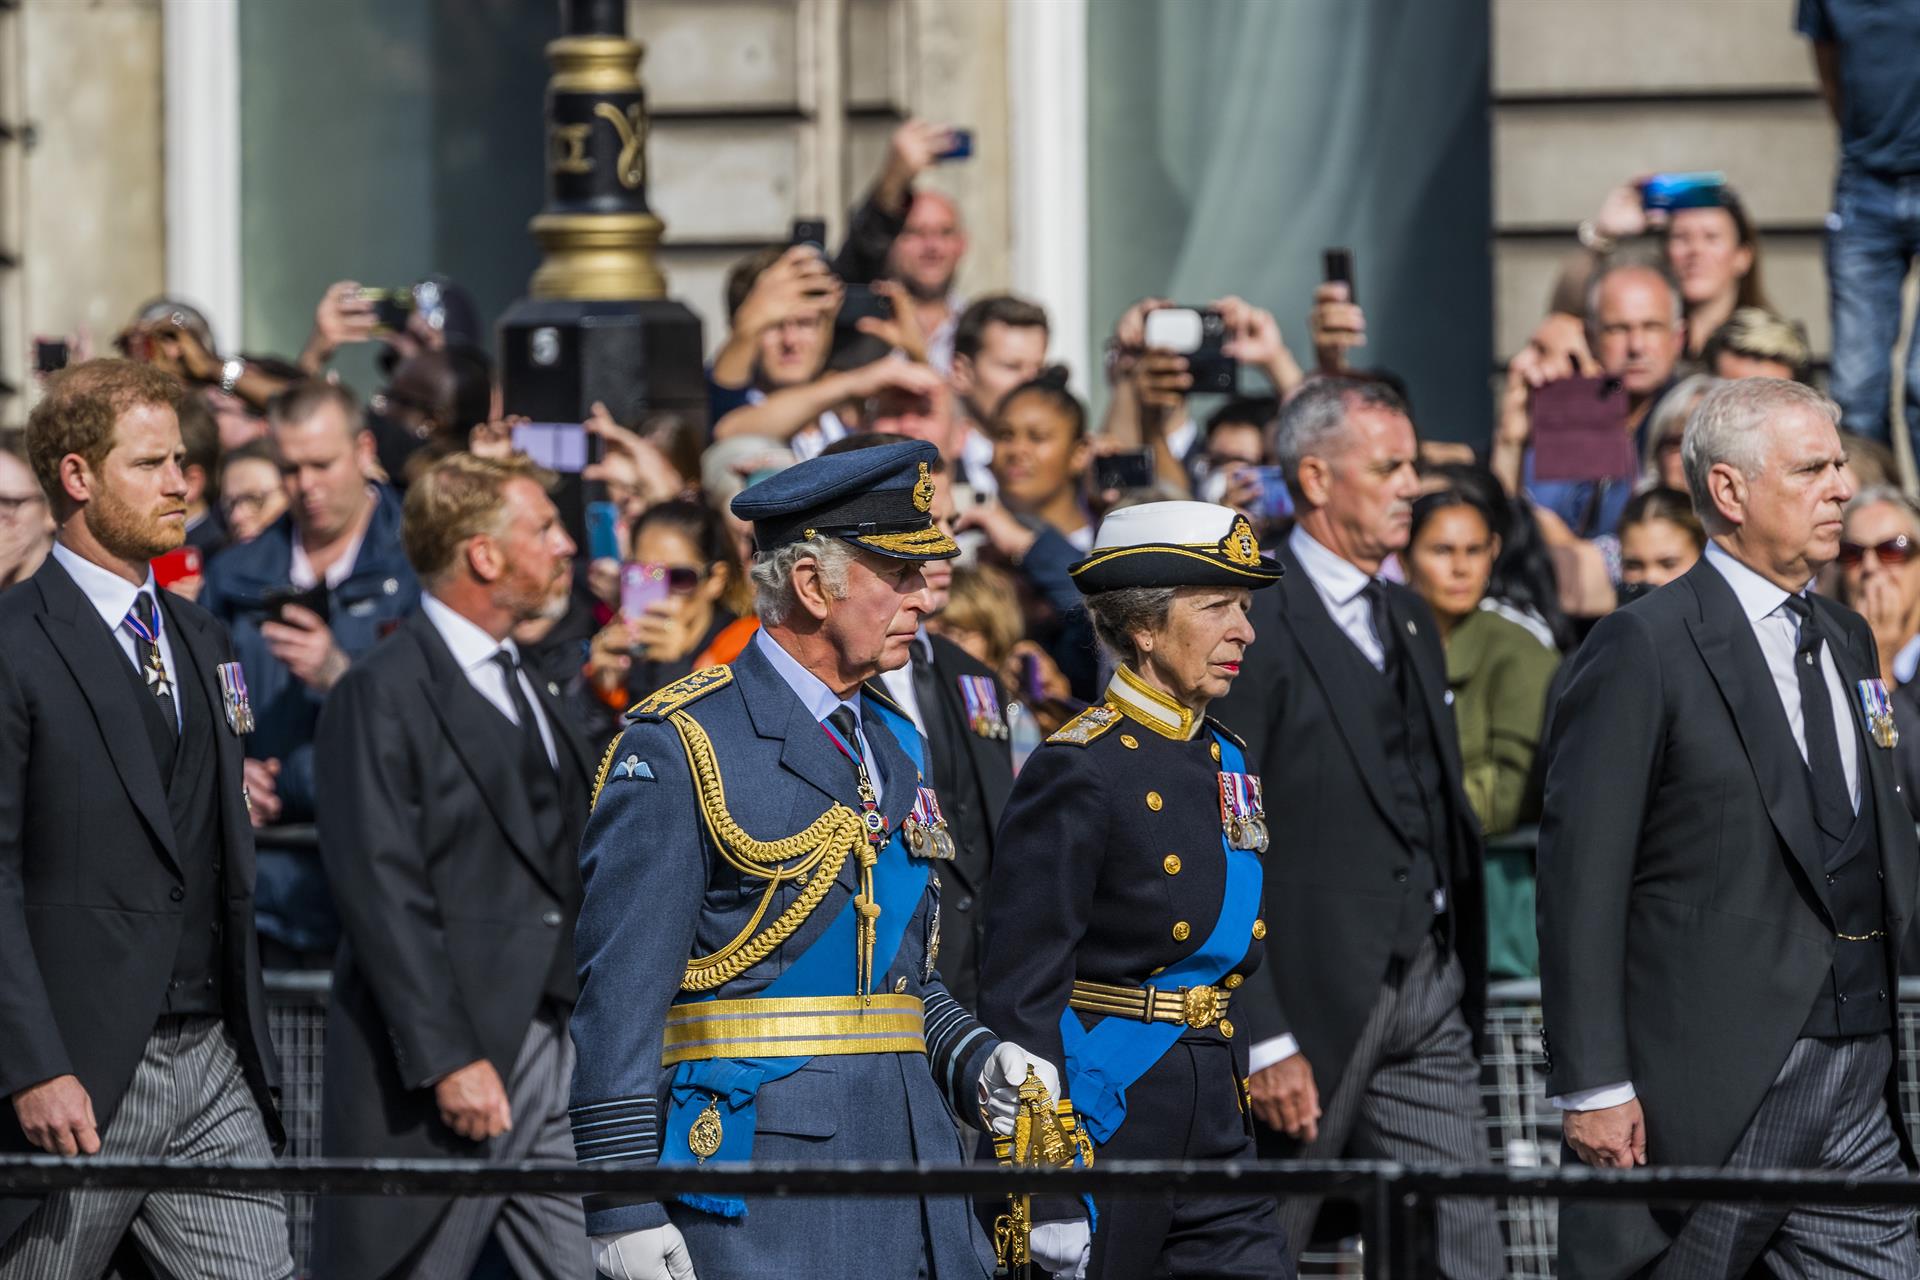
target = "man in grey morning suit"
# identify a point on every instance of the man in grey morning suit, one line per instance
(754, 838)
(1726, 870)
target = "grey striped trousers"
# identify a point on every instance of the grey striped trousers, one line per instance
(187, 1101)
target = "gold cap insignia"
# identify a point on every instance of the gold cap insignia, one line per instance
(923, 490)
(1240, 546)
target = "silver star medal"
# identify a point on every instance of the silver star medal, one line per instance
(157, 678)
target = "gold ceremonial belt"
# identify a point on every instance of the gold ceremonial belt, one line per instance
(795, 1027)
(1195, 1006)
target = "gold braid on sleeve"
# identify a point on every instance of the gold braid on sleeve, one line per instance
(812, 857)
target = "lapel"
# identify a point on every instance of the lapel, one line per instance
(90, 653)
(567, 743)
(1428, 663)
(197, 653)
(1897, 846)
(1733, 658)
(991, 757)
(481, 738)
(805, 750)
(1331, 657)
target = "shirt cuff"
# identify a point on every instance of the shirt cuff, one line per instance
(1607, 1095)
(1265, 1053)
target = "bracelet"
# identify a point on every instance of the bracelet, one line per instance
(1590, 237)
(230, 374)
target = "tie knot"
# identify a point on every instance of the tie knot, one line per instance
(1802, 610)
(509, 661)
(145, 610)
(842, 719)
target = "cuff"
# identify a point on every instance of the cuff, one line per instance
(610, 1216)
(1265, 1053)
(1607, 1095)
(620, 1129)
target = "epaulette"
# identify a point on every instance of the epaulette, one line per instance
(1087, 726)
(1226, 733)
(662, 703)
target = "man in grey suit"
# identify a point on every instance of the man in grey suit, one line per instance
(761, 919)
(453, 792)
(132, 1020)
(1726, 871)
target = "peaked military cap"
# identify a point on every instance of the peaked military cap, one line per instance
(879, 498)
(1174, 544)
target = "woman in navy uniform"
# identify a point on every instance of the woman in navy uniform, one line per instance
(1126, 892)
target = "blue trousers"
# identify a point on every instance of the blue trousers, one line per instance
(1873, 234)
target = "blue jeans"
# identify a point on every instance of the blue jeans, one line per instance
(1873, 234)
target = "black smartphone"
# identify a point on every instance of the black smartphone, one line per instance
(810, 231)
(959, 146)
(1132, 469)
(1337, 268)
(860, 302)
(274, 600)
(391, 308)
(50, 355)
(1199, 334)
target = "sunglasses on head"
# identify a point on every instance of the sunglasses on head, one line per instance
(1896, 550)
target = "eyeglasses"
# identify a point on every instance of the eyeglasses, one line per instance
(235, 502)
(1894, 552)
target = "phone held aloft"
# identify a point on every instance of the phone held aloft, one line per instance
(1199, 334)
(1580, 431)
(1131, 469)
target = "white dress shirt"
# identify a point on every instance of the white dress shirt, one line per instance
(1338, 583)
(474, 650)
(899, 683)
(112, 598)
(820, 701)
(1778, 631)
(300, 569)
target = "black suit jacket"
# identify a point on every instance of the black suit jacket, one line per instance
(1335, 873)
(89, 871)
(1683, 925)
(450, 908)
(973, 776)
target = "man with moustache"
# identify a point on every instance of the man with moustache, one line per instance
(1726, 871)
(133, 1023)
(1365, 1018)
(452, 796)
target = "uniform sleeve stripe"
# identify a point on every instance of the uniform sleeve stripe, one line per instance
(954, 1061)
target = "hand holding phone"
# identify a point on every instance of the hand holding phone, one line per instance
(1128, 469)
(642, 584)
(1580, 431)
(50, 355)
(1199, 335)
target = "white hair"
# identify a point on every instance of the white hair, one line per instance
(1730, 426)
(772, 574)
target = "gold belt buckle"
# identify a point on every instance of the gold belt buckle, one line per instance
(1202, 1006)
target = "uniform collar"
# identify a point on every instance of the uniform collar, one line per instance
(820, 701)
(1152, 708)
(110, 594)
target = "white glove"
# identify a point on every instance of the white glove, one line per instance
(658, 1253)
(1000, 1082)
(1063, 1248)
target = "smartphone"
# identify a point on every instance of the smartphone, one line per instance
(391, 307)
(1132, 469)
(1337, 268)
(860, 302)
(50, 355)
(959, 146)
(1200, 335)
(603, 523)
(641, 584)
(1670, 191)
(1580, 431)
(1036, 692)
(181, 562)
(810, 231)
(276, 599)
(557, 446)
(1274, 502)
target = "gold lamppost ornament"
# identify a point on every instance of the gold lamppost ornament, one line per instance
(1045, 1135)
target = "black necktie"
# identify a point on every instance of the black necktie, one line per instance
(543, 789)
(843, 721)
(1832, 805)
(1376, 593)
(143, 620)
(926, 691)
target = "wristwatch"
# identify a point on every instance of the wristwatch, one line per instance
(230, 373)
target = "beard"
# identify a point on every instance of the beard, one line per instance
(130, 533)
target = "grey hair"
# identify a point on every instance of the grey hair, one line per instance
(1730, 426)
(1670, 416)
(1876, 494)
(772, 574)
(1313, 424)
(1631, 263)
(1117, 614)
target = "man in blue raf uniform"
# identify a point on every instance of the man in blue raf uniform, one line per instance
(757, 943)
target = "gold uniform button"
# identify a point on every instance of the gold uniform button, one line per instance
(1172, 863)
(1214, 748)
(1130, 742)
(1226, 1028)
(1259, 929)
(1182, 931)
(1153, 801)
(1233, 982)
(900, 985)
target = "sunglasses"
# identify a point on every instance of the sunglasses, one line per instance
(683, 578)
(1895, 551)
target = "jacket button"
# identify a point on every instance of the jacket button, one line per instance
(177, 894)
(1153, 801)
(1226, 1028)
(1259, 929)
(1182, 931)
(551, 919)
(965, 904)
(1232, 981)
(1400, 877)
(1172, 863)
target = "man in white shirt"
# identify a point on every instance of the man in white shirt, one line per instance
(1366, 1015)
(1726, 870)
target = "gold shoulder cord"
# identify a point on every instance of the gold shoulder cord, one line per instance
(813, 857)
(600, 778)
